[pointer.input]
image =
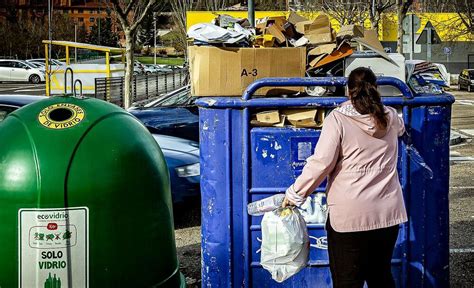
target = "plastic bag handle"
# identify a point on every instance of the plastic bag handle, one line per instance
(320, 81)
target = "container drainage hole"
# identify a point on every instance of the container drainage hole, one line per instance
(60, 114)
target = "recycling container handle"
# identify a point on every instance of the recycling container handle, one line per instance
(78, 81)
(65, 80)
(320, 81)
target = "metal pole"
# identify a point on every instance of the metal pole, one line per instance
(428, 44)
(50, 51)
(75, 40)
(251, 11)
(412, 38)
(154, 34)
(100, 3)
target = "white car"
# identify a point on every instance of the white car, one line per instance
(43, 61)
(18, 70)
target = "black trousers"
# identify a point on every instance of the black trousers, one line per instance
(358, 257)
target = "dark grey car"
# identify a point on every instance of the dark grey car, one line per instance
(466, 80)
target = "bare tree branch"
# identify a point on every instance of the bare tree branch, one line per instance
(142, 15)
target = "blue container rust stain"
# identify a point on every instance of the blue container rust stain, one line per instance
(241, 164)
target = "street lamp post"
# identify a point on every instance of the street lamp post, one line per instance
(154, 35)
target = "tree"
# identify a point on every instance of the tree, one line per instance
(179, 8)
(108, 37)
(464, 25)
(130, 14)
(402, 9)
(377, 8)
(146, 32)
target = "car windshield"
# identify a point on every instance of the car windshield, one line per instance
(178, 98)
(31, 65)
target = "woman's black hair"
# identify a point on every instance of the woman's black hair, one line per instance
(364, 95)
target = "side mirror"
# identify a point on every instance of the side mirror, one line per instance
(27, 67)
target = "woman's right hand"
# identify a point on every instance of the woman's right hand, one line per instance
(287, 203)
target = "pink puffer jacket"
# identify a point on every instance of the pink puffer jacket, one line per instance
(360, 160)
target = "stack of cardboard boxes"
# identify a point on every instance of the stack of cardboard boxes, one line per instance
(290, 46)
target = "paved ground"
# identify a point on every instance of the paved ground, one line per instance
(187, 216)
(462, 193)
(461, 207)
(18, 88)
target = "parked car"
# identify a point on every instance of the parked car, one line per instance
(138, 68)
(36, 65)
(150, 69)
(466, 80)
(181, 155)
(43, 61)
(173, 114)
(18, 70)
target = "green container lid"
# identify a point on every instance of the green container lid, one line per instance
(84, 199)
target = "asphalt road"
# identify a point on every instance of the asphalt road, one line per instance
(187, 217)
(461, 194)
(18, 88)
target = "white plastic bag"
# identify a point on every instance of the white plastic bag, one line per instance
(285, 243)
(313, 210)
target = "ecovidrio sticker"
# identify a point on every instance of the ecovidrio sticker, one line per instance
(53, 247)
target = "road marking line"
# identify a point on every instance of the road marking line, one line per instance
(465, 102)
(18, 87)
(461, 250)
(29, 90)
(461, 158)
(461, 187)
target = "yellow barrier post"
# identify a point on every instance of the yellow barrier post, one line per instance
(48, 85)
(67, 55)
(107, 73)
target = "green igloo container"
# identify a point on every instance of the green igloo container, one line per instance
(84, 199)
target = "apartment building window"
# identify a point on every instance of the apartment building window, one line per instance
(91, 19)
(81, 19)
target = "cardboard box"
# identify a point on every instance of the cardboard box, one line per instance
(318, 31)
(305, 118)
(322, 49)
(351, 31)
(276, 32)
(228, 71)
(269, 117)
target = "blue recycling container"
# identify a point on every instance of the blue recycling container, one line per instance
(241, 164)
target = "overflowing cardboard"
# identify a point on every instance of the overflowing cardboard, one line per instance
(350, 31)
(340, 53)
(228, 71)
(318, 31)
(295, 18)
(277, 33)
(371, 41)
(322, 49)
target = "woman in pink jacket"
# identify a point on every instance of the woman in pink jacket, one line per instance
(358, 151)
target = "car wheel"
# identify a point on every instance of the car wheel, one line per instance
(35, 79)
(148, 73)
